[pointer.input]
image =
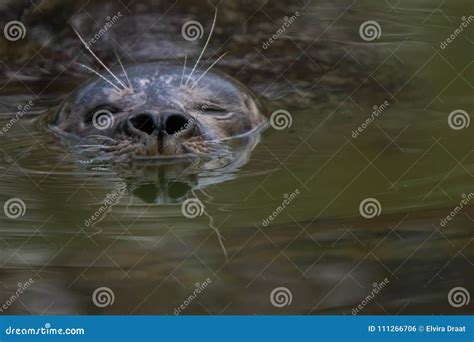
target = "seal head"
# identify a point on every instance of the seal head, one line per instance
(158, 110)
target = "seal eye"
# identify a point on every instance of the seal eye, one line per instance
(211, 109)
(102, 109)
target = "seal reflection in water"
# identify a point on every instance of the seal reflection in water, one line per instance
(158, 111)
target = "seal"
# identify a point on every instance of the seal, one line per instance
(158, 110)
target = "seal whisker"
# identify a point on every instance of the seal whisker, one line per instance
(125, 72)
(101, 76)
(184, 67)
(90, 147)
(102, 137)
(204, 48)
(88, 48)
(203, 147)
(210, 67)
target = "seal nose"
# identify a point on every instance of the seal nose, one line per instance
(170, 123)
(144, 122)
(174, 123)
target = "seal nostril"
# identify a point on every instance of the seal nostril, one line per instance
(144, 123)
(175, 123)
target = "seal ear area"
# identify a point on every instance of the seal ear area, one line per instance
(255, 109)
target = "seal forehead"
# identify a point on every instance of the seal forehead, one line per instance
(165, 77)
(158, 85)
(143, 82)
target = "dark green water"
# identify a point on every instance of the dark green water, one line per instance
(409, 159)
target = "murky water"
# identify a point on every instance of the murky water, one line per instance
(291, 216)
